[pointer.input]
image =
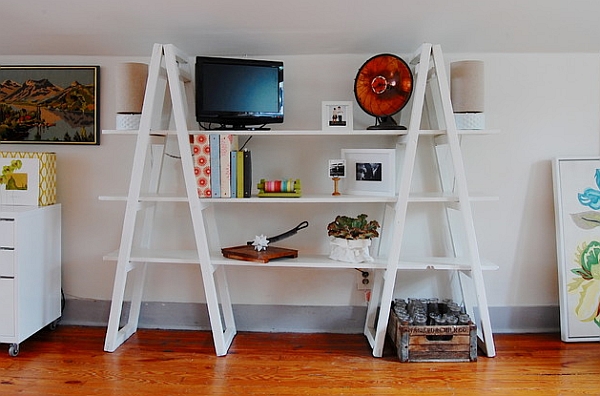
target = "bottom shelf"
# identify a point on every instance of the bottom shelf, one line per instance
(302, 261)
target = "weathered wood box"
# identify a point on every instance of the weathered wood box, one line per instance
(450, 343)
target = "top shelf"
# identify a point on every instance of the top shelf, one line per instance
(275, 132)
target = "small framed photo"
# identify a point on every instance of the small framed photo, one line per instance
(337, 116)
(370, 172)
(337, 168)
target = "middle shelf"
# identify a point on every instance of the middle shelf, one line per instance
(303, 261)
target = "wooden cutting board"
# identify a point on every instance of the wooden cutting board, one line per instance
(248, 253)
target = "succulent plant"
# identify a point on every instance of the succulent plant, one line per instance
(346, 227)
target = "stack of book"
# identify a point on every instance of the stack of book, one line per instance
(221, 169)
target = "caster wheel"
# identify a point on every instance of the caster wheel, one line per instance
(13, 350)
(53, 325)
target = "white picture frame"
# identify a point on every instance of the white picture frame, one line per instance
(577, 210)
(363, 178)
(337, 115)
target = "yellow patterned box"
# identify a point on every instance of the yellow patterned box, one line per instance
(27, 178)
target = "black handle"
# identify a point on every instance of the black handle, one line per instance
(286, 234)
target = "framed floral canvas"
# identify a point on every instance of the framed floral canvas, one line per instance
(577, 211)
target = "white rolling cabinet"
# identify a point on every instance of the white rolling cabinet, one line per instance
(30, 271)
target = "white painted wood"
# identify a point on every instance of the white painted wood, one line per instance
(152, 97)
(432, 91)
(377, 331)
(170, 65)
(30, 281)
(314, 132)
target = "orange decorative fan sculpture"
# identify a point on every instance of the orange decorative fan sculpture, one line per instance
(382, 87)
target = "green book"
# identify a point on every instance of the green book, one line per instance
(240, 175)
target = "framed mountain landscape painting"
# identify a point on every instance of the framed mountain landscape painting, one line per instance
(49, 104)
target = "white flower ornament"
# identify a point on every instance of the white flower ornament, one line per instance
(260, 243)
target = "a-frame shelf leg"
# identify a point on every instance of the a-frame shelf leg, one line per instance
(177, 79)
(115, 336)
(431, 57)
(410, 141)
(460, 187)
(214, 278)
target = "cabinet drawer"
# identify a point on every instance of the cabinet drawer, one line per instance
(7, 262)
(7, 307)
(7, 232)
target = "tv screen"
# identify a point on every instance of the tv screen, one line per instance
(238, 93)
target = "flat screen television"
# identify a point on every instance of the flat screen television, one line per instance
(238, 93)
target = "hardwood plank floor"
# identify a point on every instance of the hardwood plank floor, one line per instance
(71, 361)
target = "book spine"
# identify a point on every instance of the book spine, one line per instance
(201, 158)
(233, 172)
(247, 173)
(215, 171)
(228, 143)
(225, 164)
(240, 174)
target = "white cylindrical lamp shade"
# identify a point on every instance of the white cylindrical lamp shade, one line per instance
(467, 93)
(467, 86)
(130, 87)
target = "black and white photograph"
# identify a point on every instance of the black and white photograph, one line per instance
(370, 172)
(337, 168)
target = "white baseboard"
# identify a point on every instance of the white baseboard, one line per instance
(291, 318)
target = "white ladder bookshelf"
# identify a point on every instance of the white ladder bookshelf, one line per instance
(169, 83)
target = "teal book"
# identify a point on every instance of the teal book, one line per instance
(215, 169)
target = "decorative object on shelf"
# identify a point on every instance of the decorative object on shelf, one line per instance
(247, 253)
(131, 87)
(262, 254)
(286, 234)
(260, 243)
(50, 104)
(382, 87)
(350, 238)
(32, 183)
(336, 171)
(370, 171)
(288, 188)
(577, 212)
(337, 115)
(467, 93)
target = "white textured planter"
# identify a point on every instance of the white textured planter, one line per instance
(128, 122)
(350, 250)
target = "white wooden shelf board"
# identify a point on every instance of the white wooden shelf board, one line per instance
(314, 132)
(308, 198)
(302, 261)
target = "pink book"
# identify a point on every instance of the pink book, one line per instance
(201, 158)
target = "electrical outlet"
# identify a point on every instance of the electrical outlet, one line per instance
(364, 280)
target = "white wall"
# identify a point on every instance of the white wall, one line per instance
(546, 105)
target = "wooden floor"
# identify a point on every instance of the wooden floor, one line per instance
(71, 361)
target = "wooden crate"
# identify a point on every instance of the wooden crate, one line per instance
(451, 343)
